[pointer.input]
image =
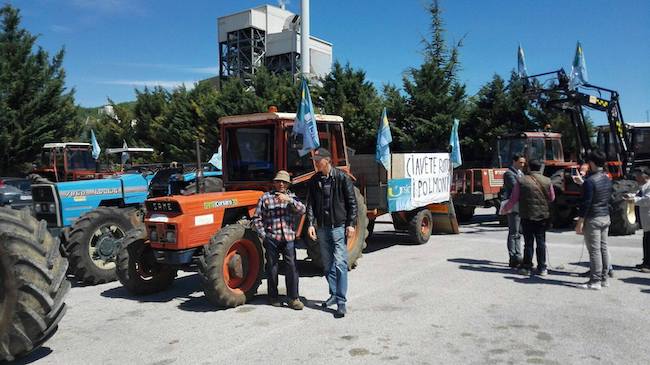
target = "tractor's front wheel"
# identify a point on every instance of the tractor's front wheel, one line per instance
(94, 241)
(137, 268)
(232, 266)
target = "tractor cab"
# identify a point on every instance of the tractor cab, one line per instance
(66, 162)
(256, 146)
(639, 137)
(542, 146)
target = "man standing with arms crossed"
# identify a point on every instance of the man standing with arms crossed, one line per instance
(510, 177)
(331, 217)
(277, 212)
(594, 220)
(642, 200)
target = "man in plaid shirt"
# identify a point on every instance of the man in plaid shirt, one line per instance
(277, 213)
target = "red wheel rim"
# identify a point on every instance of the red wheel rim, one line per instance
(250, 265)
(424, 227)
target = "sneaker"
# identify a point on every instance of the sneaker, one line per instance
(329, 302)
(524, 271)
(604, 283)
(340, 310)
(542, 272)
(296, 304)
(610, 273)
(645, 269)
(590, 286)
(275, 302)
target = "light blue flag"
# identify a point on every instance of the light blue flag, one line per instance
(96, 149)
(521, 63)
(578, 69)
(454, 142)
(384, 138)
(215, 160)
(305, 122)
(125, 155)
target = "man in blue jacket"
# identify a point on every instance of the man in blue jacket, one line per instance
(594, 220)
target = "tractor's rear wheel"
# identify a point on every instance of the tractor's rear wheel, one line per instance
(622, 213)
(137, 268)
(94, 241)
(232, 266)
(355, 245)
(421, 226)
(32, 284)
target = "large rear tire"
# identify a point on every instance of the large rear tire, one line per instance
(137, 268)
(32, 284)
(232, 266)
(94, 241)
(622, 214)
(420, 226)
(356, 245)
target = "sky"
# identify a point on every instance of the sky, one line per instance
(115, 46)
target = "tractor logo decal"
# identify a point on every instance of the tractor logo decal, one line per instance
(136, 189)
(88, 192)
(220, 203)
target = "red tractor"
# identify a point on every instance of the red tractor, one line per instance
(481, 187)
(68, 161)
(214, 230)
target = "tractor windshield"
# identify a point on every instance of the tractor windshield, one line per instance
(508, 147)
(250, 153)
(80, 159)
(641, 140)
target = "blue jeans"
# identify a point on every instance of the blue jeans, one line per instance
(334, 254)
(273, 250)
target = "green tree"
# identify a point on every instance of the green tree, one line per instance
(35, 106)
(434, 96)
(346, 92)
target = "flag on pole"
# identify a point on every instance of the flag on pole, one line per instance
(215, 160)
(96, 149)
(454, 142)
(578, 69)
(521, 63)
(125, 155)
(305, 123)
(384, 138)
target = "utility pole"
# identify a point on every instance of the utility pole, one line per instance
(304, 37)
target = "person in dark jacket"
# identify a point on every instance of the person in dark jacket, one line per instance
(534, 193)
(594, 219)
(331, 217)
(510, 177)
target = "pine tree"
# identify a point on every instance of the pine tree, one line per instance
(435, 97)
(35, 107)
(346, 92)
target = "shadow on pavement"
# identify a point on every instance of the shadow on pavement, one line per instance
(637, 280)
(181, 288)
(503, 268)
(385, 239)
(36, 355)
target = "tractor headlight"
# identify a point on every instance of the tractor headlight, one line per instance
(52, 208)
(37, 208)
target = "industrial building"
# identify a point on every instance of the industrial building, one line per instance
(267, 35)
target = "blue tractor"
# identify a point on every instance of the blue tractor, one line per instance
(91, 216)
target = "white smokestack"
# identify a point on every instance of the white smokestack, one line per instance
(304, 37)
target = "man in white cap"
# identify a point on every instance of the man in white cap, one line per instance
(277, 213)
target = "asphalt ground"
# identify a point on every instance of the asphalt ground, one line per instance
(452, 300)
